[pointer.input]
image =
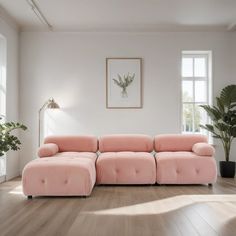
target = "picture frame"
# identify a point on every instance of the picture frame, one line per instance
(123, 83)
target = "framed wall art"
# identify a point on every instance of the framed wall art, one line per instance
(124, 83)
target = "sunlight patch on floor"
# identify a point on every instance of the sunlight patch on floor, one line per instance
(169, 204)
(17, 190)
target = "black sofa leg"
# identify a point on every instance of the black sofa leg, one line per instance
(210, 185)
(29, 197)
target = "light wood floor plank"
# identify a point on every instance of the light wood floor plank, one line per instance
(122, 211)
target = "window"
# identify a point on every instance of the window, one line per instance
(196, 90)
(2, 98)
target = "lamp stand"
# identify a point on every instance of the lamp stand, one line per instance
(49, 104)
(39, 121)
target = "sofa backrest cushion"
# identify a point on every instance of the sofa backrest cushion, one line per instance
(126, 142)
(80, 143)
(177, 142)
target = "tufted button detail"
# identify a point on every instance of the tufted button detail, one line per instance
(117, 170)
(197, 171)
(66, 181)
(136, 171)
(177, 171)
(43, 181)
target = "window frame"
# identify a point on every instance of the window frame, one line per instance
(3, 85)
(207, 78)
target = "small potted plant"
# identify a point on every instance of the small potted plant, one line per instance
(7, 140)
(223, 127)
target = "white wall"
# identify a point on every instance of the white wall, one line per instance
(10, 32)
(233, 81)
(71, 68)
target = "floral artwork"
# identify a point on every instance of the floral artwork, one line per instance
(123, 83)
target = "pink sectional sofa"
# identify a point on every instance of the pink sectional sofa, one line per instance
(184, 159)
(66, 167)
(126, 159)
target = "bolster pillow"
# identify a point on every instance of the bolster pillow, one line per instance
(203, 149)
(47, 150)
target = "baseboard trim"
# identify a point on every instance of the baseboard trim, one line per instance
(2, 179)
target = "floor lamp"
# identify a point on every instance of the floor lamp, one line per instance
(49, 104)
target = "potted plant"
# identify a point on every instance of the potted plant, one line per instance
(7, 140)
(223, 127)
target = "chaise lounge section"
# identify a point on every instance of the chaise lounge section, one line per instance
(66, 167)
(184, 159)
(126, 159)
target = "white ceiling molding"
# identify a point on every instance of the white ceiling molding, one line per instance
(35, 8)
(231, 27)
(134, 28)
(8, 19)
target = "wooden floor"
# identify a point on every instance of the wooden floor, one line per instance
(122, 210)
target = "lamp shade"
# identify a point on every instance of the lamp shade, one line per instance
(52, 104)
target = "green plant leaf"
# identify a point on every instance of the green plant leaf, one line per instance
(8, 141)
(228, 95)
(233, 131)
(232, 105)
(210, 127)
(220, 105)
(214, 113)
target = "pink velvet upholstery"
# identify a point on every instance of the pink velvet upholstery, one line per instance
(177, 142)
(65, 174)
(47, 150)
(203, 149)
(126, 168)
(68, 166)
(184, 159)
(125, 159)
(126, 142)
(67, 169)
(84, 143)
(185, 168)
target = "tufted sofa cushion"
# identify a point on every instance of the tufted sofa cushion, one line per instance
(185, 168)
(71, 174)
(126, 168)
(80, 143)
(177, 142)
(126, 142)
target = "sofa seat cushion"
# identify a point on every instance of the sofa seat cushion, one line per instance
(67, 175)
(185, 168)
(126, 168)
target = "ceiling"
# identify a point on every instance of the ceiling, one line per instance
(125, 15)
